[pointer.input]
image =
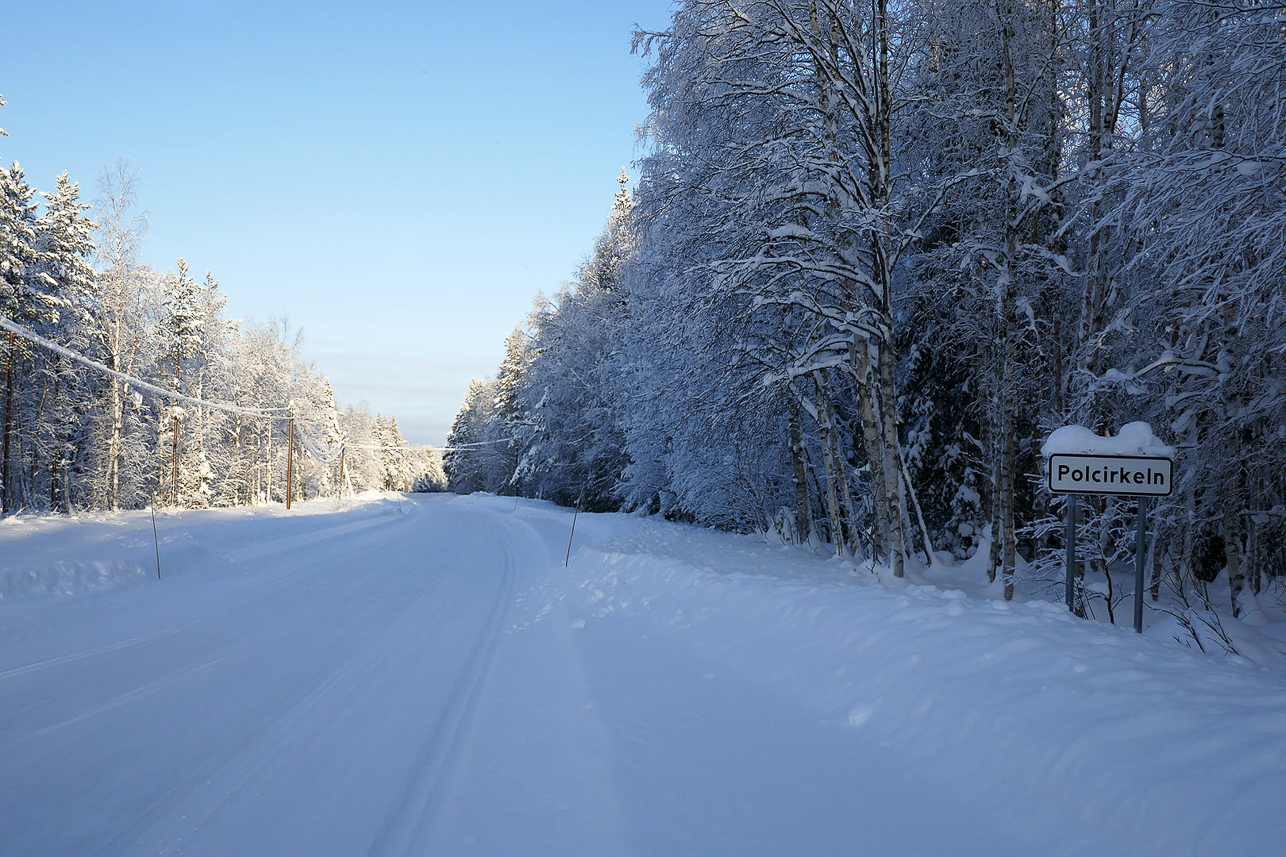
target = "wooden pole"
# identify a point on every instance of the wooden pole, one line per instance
(174, 487)
(339, 489)
(174, 476)
(5, 487)
(290, 456)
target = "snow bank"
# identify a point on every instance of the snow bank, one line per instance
(673, 691)
(1134, 438)
(57, 555)
(1093, 740)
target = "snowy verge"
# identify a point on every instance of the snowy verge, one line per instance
(1087, 736)
(56, 555)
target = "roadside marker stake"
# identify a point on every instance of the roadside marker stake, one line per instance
(575, 515)
(155, 540)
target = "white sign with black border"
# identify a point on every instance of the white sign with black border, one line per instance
(1136, 475)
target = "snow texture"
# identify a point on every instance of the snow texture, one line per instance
(420, 674)
(1134, 439)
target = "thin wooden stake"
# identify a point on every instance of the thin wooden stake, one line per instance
(575, 515)
(156, 539)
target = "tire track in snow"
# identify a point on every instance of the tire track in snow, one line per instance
(89, 653)
(127, 697)
(393, 653)
(416, 814)
(274, 739)
(259, 550)
(280, 583)
(276, 735)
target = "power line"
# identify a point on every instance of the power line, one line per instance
(477, 445)
(310, 446)
(138, 384)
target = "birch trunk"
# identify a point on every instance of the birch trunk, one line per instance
(890, 461)
(828, 462)
(846, 498)
(871, 444)
(803, 508)
(114, 448)
(847, 516)
(919, 513)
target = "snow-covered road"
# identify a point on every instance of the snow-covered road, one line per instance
(424, 677)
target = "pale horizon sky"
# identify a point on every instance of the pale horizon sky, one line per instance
(398, 180)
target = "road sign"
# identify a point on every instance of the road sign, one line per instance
(1142, 476)
(1148, 476)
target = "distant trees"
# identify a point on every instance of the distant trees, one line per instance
(877, 252)
(478, 454)
(77, 438)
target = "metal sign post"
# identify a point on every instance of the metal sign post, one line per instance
(1071, 552)
(1140, 560)
(1142, 476)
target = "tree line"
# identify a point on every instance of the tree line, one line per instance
(75, 438)
(878, 251)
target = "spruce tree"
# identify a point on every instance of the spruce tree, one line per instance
(64, 243)
(179, 333)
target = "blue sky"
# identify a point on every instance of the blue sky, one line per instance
(399, 179)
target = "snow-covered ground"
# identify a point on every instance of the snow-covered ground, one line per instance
(420, 675)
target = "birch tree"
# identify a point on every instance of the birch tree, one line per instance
(118, 313)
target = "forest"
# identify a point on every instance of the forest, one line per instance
(125, 386)
(878, 252)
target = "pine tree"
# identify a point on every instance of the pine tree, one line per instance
(179, 335)
(65, 244)
(22, 300)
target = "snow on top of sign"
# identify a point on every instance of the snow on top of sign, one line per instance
(1133, 439)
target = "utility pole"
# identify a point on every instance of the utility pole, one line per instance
(339, 489)
(174, 487)
(8, 424)
(290, 456)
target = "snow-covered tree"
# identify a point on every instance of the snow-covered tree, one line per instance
(118, 330)
(1195, 327)
(179, 339)
(476, 456)
(65, 244)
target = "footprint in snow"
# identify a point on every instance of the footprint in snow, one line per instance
(860, 715)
